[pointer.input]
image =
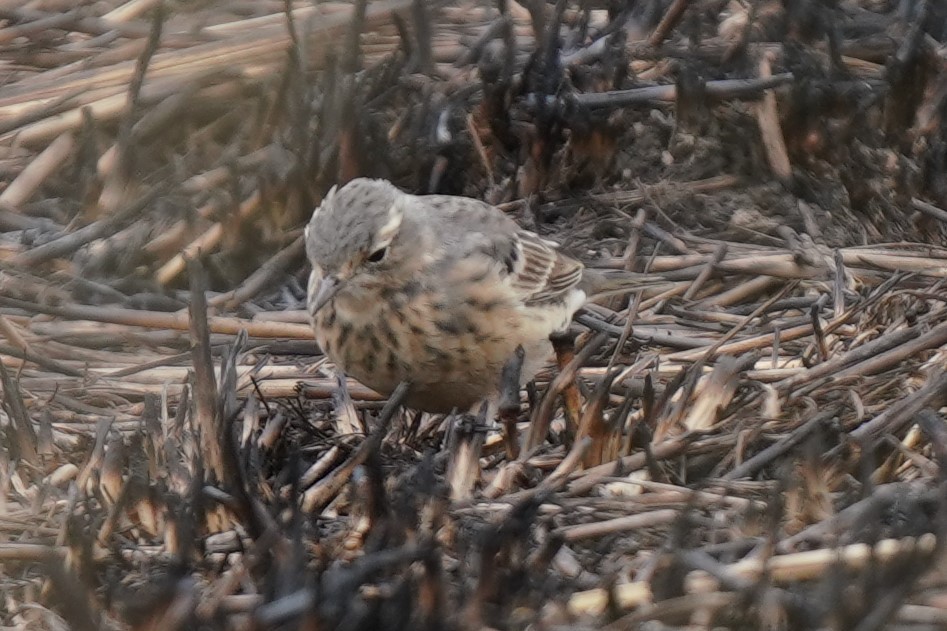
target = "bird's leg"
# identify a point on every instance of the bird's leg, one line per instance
(509, 409)
(467, 434)
(563, 343)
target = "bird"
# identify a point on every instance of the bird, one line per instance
(435, 290)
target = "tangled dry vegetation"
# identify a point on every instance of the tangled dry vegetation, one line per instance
(759, 440)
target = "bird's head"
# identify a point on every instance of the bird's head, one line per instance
(355, 235)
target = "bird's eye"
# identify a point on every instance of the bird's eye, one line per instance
(377, 255)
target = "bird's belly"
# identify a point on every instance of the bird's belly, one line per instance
(450, 362)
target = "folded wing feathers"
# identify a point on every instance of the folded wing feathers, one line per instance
(537, 271)
(543, 274)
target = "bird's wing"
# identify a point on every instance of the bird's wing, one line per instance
(543, 274)
(535, 269)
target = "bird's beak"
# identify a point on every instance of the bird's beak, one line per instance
(327, 288)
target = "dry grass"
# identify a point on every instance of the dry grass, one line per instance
(759, 438)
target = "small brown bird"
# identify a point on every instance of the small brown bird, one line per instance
(435, 290)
